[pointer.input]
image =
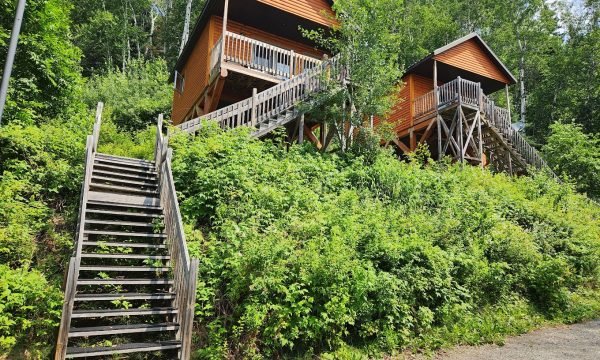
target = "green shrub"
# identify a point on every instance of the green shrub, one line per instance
(307, 253)
(30, 310)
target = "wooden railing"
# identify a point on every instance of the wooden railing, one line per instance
(269, 103)
(499, 118)
(470, 93)
(260, 56)
(70, 283)
(185, 270)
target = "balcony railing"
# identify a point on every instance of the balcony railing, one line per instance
(259, 56)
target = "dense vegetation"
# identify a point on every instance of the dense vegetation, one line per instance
(305, 252)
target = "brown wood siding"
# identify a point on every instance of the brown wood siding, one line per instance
(260, 35)
(317, 11)
(414, 86)
(195, 74)
(471, 57)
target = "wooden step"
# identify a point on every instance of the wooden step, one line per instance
(124, 234)
(120, 223)
(124, 296)
(126, 200)
(123, 213)
(124, 245)
(125, 282)
(123, 158)
(77, 352)
(116, 168)
(110, 268)
(124, 162)
(121, 329)
(125, 256)
(124, 189)
(85, 314)
(132, 183)
(145, 207)
(99, 172)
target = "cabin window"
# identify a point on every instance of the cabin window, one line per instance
(178, 82)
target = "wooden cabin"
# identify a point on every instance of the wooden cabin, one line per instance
(240, 45)
(248, 64)
(464, 68)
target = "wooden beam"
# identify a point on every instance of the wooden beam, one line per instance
(401, 145)
(301, 126)
(508, 102)
(427, 134)
(224, 31)
(311, 137)
(413, 140)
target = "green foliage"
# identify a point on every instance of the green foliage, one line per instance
(574, 154)
(304, 252)
(30, 310)
(133, 97)
(46, 69)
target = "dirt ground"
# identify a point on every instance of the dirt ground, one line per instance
(573, 342)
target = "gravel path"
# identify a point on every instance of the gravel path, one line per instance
(573, 342)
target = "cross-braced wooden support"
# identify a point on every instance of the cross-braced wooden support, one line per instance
(460, 134)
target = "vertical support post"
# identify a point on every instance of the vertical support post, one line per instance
(292, 58)
(481, 156)
(301, 130)
(224, 33)
(10, 56)
(508, 102)
(439, 135)
(254, 109)
(323, 133)
(435, 85)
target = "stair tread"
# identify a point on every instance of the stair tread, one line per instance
(123, 233)
(125, 256)
(130, 206)
(119, 223)
(150, 183)
(124, 296)
(123, 189)
(152, 177)
(124, 213)
(79, 314)
(125, 281)
(105, 156)
(121, 329)
(74, 352)
(120, 162)
(123, 268)
(124, 245)
(123, 168)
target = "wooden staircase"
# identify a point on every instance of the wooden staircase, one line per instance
(274, 107)
(131, 284)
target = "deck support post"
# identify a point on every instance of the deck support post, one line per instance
(224, 31)
(301, 130)
(439, 137)
(508, 102)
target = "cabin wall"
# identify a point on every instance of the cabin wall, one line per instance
(318, 11)
(196, 77)
(471, 57)
(260, 35)
(401, 113)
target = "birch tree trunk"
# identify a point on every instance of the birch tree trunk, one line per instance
(522, 92)
(186, 26)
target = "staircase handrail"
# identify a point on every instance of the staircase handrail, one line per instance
(70, 282)
(185, 270)
(261, 106)
(500, 119)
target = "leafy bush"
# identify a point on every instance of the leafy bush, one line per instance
(133, 97)
(574, 154)
(30, 310)
(303, 252)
